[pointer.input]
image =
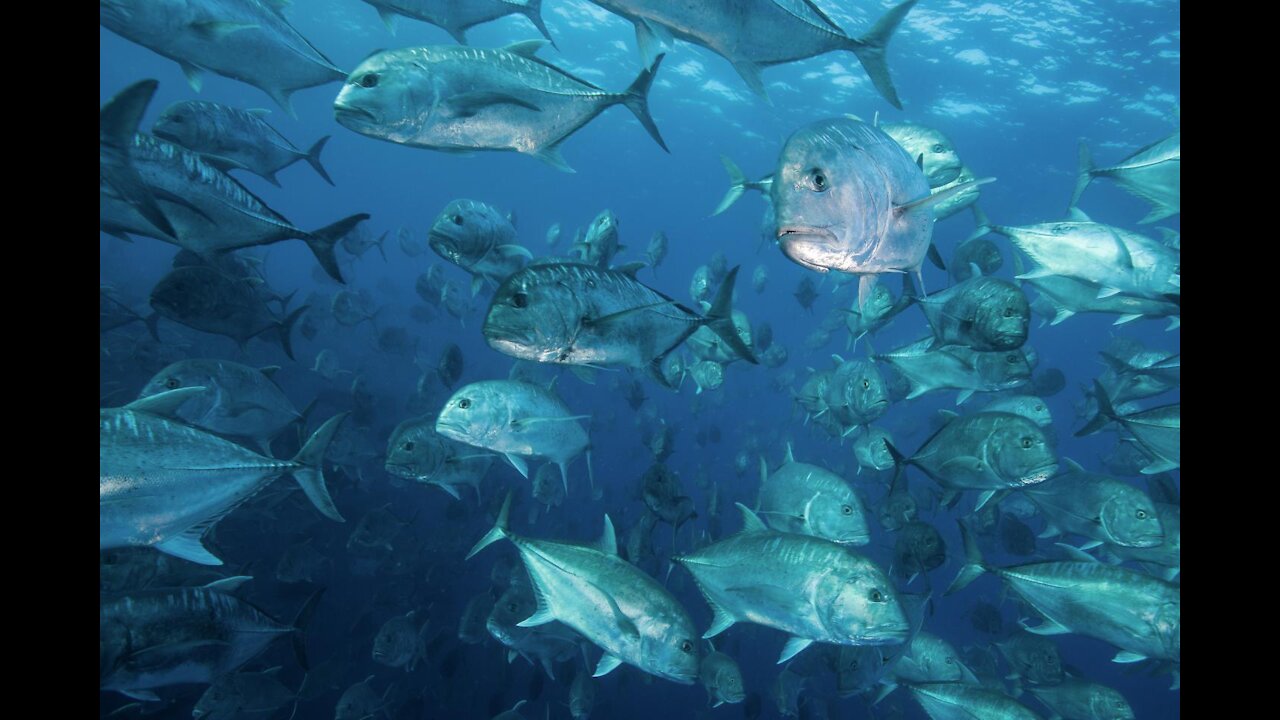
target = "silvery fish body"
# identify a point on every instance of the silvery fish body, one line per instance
(1076, 699)
(543, 644)
(478, 238)
(754, 34)
(238, 399)
(810, 588)
(163, 483)
(929, 658)
(958, 367)
(811, 500)
(230, 138)
(1068, 295)
(937, 154)
(458, 99)
(983, 313)
(958, 701)
(246, 40)
(987, 451)
(415, 451)
(1097, 507)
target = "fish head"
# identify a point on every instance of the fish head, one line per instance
(415, 450)
(1003, 314)
(867, 390)
(220, 697)
(669, 649)
(725, 677)
(1130, 519)
(465, 231)
(1021, 453)
(700, 285)
(476, 414)
(1005, 369)
(184, 123)
(602, 233)
(536, 314)
(875, 450)
(921, 546)
(1108, 704)
(838, 518)
(941, 163)
(390, 95)
(858, 604)
(857, 668)
(834, 194)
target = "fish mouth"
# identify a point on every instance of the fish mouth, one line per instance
(341, 109)
(892, 635)
(854, 539)
(791, 238)
(1148, 541)
(1039, 475)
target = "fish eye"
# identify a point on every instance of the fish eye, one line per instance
(464, 403)
(457, 219)
(1142, 514)
(171, 383)
(939, 148)
(520, 299)
(818, 179)
(1026, 442)
(686, 646)
(866, 384)
(951, 661)
(512, 607)
(846, 509)
(1008, 312)
(1040, 408)
(853, 666)
(877, 596)
(408, 446)
(1011, 359)
(369, 80)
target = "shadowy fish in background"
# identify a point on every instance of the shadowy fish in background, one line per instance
(457, 17)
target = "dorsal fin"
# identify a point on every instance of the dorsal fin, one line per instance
(750, 521)
(608, 539)
(789, 457)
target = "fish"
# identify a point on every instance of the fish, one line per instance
(172, 636)
(982, 313)
(577, 314)
(1032, 658)
(986, 451)
(1158, 430)
(656, 251)
(811, 500)
(238, 400)
(847, 197)
(720, 675)
(400, 642)
(1153, 173)
(958, 367)
(1096, 507)
(959, 701)
(233, 139)
(248, 41)
(163, 483)
(755, 34)
(600, 243)
(243, 692)
(1133, 611)
(210, 212)
(543, 645)
(1078, 699)
(626, 613)
(118, 122)
(935, 152)
(415, 451)
(752, 577)
(457, 99)
(478, 238)
(1068, 296)
(456, 18)
(516, 419)
(208, 300)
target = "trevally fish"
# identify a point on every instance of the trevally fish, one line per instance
(810, 588)
(600, 244)
(172, 636)
(986, 451)
(1102, 509)
(810, 500)
(576, 314)
(958, 367)
(209, 210)
(934, 150)
(518, 420)
(961, 701)
(457, 99)
(619, 608)
(754, 34)
(1153, 173)
(415, 451)
(237, 400)
(245, 40)
(1068, 295)
(847, 197)
(479, 239)
(542, 645)
(233, 139)
(1077, 699)
(118, 122)
(164, 483)
(983, 313)
(208, 300)
(456, 17)
(1133, 611)
(720, 675)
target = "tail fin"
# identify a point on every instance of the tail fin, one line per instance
(636, 98)
(720, 318)
(300, 623)
(313, 157)
(1106, 412)
(310, 475)
(118, 122)
(286, 330)
(499, 530)
(1085, 173)
(382, 246)
(322, 242)
(870, 49)
(737, 185)
(982, 222)
(533, 11)
(973, 567)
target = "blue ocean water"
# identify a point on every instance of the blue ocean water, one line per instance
(1016, 86)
